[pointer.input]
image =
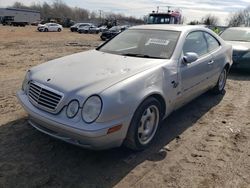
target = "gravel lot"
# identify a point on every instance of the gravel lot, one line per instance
(204, 144)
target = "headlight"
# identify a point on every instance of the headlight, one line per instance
(25, 83)
(91, 109)
(72, 108)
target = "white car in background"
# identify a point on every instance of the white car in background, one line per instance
(49, 27)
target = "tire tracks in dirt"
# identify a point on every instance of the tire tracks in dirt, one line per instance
(214, 152)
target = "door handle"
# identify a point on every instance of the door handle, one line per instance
(210, 62)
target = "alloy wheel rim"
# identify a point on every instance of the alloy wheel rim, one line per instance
(222, 80)
(148, 124)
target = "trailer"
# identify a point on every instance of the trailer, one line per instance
(18, 17)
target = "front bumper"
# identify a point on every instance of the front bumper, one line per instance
(40, 29)
(73, 29)
(95, 138)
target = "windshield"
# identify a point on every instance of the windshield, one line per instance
(236, 35)
(159, 19)
(143, 43)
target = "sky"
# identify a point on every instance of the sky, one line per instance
(191, 9)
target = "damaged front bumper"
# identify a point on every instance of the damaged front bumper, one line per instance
(92, 136)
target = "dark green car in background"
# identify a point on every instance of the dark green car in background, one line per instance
(239, 38)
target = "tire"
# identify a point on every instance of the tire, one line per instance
(219, 88)
(46, 30)
(59, 30)
(144, 125)
(103, 38)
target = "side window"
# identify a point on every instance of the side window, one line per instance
(195, 42)
(213, 44)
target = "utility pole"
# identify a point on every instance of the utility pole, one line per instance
(100, 14)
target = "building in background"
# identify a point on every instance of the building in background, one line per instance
(18, 17)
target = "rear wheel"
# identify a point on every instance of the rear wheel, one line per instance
(144, 125)
(219, 88)
(46, 30)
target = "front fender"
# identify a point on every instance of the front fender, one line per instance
(123, 98)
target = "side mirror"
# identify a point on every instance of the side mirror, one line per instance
(190, 57)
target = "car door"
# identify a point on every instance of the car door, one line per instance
(50, 27)
(215, 66)
(194, 76)
(53, 27)
(91, 29)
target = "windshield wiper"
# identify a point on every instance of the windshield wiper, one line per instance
(141, 55)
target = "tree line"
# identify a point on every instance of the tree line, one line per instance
(239, 18)
(60, 10)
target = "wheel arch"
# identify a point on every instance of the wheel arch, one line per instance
(128, 140)
(227, 67)
(158, 97)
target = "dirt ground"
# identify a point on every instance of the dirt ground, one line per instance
(204, 144)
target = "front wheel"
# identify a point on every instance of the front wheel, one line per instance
(219, 88)
(144, 125)
(59, 30)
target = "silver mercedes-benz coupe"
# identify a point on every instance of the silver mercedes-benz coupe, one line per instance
(118, 93)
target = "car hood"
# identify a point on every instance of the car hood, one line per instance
(240, 46)
(89, 72)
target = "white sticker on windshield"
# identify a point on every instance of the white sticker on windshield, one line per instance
(163, 42)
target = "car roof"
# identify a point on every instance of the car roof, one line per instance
(173, 27)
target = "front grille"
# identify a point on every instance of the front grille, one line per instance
(44, 97)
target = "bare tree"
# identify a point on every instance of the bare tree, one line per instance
(194, 22)
(241, 18)
(61, 11)
(210, 20)
(19, 5)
